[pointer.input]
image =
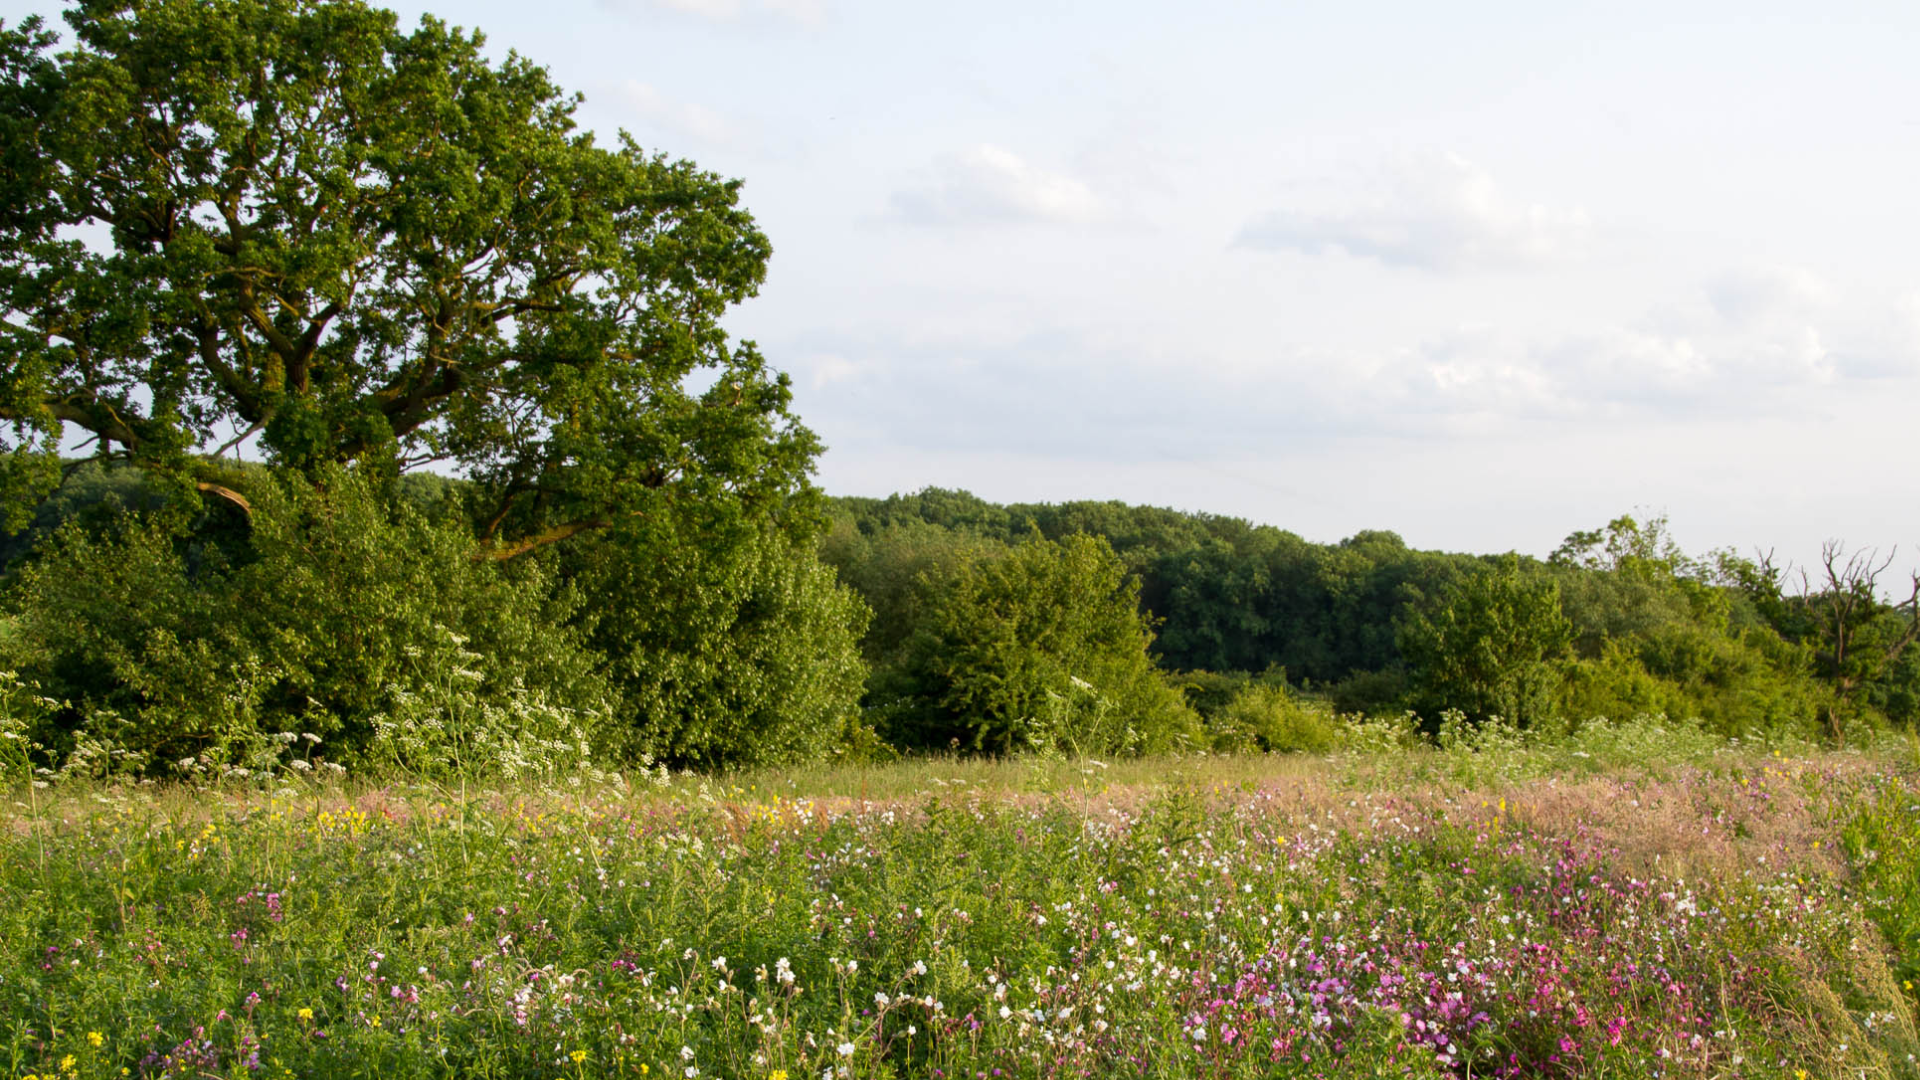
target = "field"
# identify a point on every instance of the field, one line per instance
(1623, 905)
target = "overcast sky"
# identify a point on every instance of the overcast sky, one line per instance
(1479, 273)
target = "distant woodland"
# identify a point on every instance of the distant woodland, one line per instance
(348, 623)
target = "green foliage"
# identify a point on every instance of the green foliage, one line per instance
(1895, 693)
(1884, 850)
(1242, 712)
(365, 243)
(944, 509)
(346, 616)
(1208, 692)
(1658, 633)
(23, 715)
(1040, 648)
(884, 565)
(1227, 595)
(1649, 630)
(370, 245)
(1607, 605)
(1740, 685)
(1491, 646)
(1858, 641)
(1216, 601)
(1624, 546)
(1268, 717)
(1370, 693)
(730, 643)
(91, 495)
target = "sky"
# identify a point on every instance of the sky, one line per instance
(1479, 273)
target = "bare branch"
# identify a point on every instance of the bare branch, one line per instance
(240, 438)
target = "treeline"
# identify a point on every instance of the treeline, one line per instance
(347, 618)
(1617, 623)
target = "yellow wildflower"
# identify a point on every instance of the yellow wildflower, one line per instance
(578, 1056)
(67, 1063)
(305, 1014)
(777, 1074)
(94, 1038)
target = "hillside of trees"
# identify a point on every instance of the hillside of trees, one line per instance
(1616, 623)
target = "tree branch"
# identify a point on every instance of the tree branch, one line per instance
(238, 439)
(228, 494)
(96, 417)
(502, 552)
(1912, 631)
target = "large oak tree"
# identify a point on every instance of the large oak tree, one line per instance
(294, 221)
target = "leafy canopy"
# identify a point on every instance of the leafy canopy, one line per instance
(291, 217)
(1042, 647)
(1490, 646)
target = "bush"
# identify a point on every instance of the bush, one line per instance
(1490, 647)
(1042, 648)
(1370, 693)
(1208, 692)
(1268, 717)
(1746, 684)
(729, 642)
(344, 615)
(885, 568)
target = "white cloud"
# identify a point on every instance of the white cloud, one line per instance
(1749, 340)
(990, 183)
(1063, 393)
(681, 118)
(1434, 213)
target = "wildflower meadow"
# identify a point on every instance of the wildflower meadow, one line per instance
(1469, 912)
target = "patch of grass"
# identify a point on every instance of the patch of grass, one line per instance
(1420, 914)
(1882, 843)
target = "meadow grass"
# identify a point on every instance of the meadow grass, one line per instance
(1625, 904)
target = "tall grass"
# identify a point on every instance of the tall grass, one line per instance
(1495, 908)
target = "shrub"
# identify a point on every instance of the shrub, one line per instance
(1267, 716)
(1370, 693)
(1746, 684)
(1490, 647)
(335, 619)
(729, 642)
(885, 567)
(1042, 648)
(1208, 692)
